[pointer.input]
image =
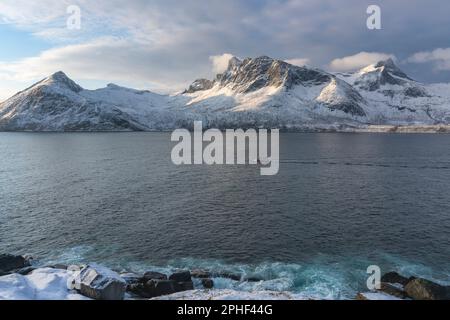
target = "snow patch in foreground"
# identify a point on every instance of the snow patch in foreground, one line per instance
(41, 284)
(377, 296)
(228, 294)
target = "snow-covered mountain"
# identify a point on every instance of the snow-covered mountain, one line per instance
(394, 98)
(258, 92)
(59, 104)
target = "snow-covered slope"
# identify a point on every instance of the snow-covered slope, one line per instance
(394, 98)
(41, 284)
(58, 104)
(258, 92)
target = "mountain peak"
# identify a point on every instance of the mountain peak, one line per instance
(59, 75)
(233, 63)
(256, 73)
(384, 72)
(390, 66)
(252, 74)
(61, 79)
(388, 63)
(263, 58)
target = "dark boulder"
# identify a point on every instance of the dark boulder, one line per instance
(60, 266)
(393, 290)
(184, 286)
(100, 283)
(253, 279)
(229, 275)
(158, 288)
(57, 266)
(207, 283)
(131, 278)
(151, 275)
(25, 271)
(9, 262)
(394, 277)
(421, 289)
(204, 274)
(138, 289)
(181, 276)
(153, 288)
(200, 274)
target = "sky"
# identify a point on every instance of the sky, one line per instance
(163, 45)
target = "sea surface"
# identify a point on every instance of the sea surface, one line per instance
(340, 203)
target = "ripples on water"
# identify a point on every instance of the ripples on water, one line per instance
(340, 203)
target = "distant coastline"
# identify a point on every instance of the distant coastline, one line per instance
(400, 129)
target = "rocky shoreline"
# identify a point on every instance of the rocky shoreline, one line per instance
(395, 286)
(420, 129)
(20, 280)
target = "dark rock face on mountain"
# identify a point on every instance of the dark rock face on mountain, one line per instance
(253, 74)
(384, 72)
(390, 67)
(200, 85)
(416, 92)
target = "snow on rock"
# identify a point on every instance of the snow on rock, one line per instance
(228, 294)
(376, 296)
(41, 284)
(100, 283)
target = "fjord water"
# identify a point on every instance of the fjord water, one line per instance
(340, 203)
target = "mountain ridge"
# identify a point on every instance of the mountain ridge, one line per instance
(253, 92)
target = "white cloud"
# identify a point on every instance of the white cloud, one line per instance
(358, 61)
(298, 61)
(168, 42)
(440, 58)
(32, 14)
(156, 45)
(220, 62)
(112, 59)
